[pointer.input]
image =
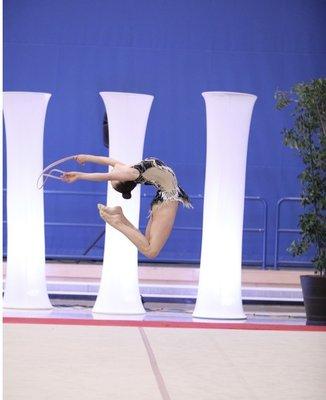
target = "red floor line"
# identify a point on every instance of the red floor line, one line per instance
(162, 324)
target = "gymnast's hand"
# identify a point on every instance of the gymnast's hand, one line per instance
(81, 158)
(70, 177)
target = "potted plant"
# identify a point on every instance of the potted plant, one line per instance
(308, 138)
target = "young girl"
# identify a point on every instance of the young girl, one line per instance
(124, 179)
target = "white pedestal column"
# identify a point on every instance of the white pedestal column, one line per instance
(119, 289)
(24, 115)
(228, 122)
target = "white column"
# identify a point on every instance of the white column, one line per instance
(24, 114)
(119, 289)
(228, 117)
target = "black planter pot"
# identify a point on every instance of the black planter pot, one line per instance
(314, 297)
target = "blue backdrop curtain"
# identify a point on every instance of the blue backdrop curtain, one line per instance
(175, 50)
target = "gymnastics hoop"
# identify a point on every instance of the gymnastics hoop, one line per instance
(48, 171)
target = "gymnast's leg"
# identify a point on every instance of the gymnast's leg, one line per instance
(157, 231)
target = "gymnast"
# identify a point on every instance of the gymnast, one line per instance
(124, 178)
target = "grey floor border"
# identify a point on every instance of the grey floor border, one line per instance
(157, 373)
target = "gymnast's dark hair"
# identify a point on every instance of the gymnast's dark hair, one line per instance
(125, 188)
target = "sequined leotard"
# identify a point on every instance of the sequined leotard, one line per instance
(153, 171)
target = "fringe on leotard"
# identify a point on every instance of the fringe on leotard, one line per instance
(176, 194)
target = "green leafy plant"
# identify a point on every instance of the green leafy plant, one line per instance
(308, 137)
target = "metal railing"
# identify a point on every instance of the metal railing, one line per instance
(279, 230)
(261, 230)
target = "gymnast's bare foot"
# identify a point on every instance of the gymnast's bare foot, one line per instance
(111, 215)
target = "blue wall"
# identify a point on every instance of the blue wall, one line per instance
(173, 49)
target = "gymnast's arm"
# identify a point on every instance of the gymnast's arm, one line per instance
(122, 173)
(83, 158)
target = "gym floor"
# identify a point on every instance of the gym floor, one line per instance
(70, 353)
